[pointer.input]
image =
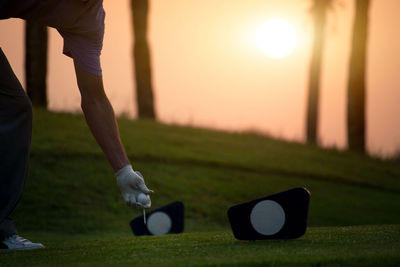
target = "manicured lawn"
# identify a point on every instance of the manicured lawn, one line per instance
(376, 245)
(72, 203)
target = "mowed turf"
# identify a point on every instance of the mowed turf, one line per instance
(72, 196)
(71, 188)
(325, 246)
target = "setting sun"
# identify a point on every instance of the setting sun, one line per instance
(276, 38)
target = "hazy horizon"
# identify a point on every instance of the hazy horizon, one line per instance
(209, 72)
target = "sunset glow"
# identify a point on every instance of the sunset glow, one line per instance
(276, 38)
(210, 70)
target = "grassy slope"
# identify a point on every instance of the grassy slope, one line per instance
(73, 205)
(71, 188)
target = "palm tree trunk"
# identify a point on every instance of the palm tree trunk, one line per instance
(356, 91)
(36, 62)
(319, 15)
(144, 91)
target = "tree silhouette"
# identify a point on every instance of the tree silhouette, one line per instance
(356, 92)
(36, 62)
(144, 91)
(319, 12)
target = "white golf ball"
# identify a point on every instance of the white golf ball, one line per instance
(143, 199)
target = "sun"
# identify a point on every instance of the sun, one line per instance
(276, 38)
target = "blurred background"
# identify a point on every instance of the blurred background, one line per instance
(321, 73)
(208, 70)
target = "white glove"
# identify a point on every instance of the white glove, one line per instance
(133, 188)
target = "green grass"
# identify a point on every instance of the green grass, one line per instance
(358, 246)
(72, 196)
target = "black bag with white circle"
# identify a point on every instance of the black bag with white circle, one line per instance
(278, 216)
(165, 220)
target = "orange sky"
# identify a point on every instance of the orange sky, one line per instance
(208, 70)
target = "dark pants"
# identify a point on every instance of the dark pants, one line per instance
(15, 140)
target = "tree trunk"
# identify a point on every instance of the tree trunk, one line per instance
(319, 16)
(36, 62)
(356, 91)
(144, 91)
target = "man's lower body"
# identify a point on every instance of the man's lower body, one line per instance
(15, 139)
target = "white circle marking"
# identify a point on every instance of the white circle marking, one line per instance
(159, 223)
(267, 217)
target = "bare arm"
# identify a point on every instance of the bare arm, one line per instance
(100, 117)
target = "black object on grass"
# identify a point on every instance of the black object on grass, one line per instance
(278, 216)
(168, 219)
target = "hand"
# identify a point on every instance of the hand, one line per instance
(132, 185)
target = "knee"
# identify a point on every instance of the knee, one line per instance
(24, 107)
